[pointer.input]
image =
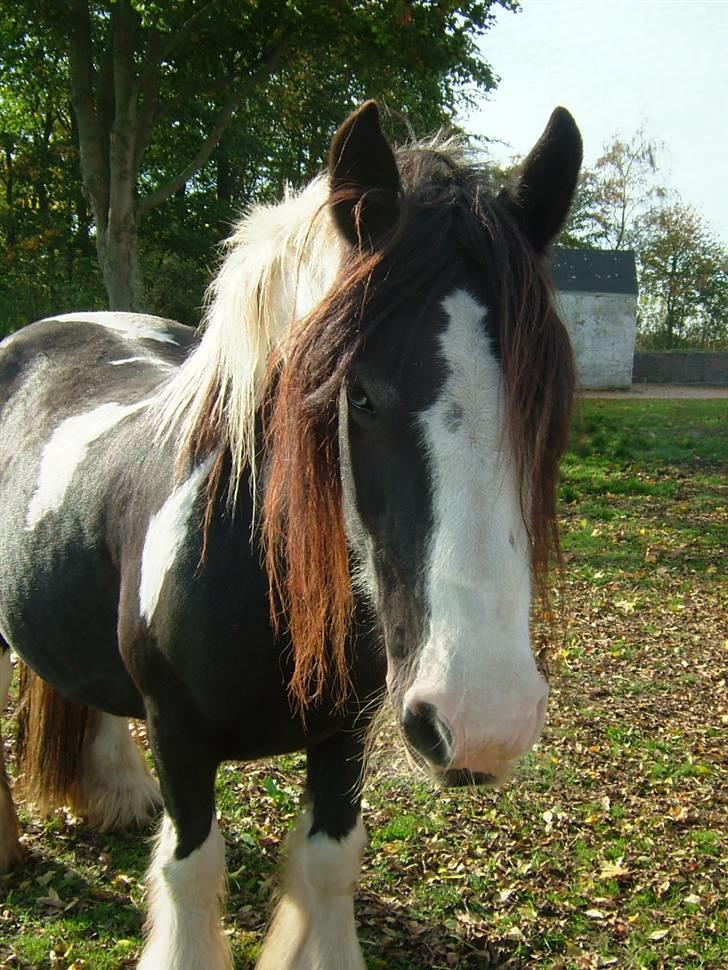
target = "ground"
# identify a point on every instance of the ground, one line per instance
(662, 391)
(608, 848)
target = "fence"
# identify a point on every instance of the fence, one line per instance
(680, 367)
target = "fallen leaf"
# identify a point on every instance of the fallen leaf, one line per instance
(613, 870)
(595, 914)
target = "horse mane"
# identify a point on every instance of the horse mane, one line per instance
(276, 266)
(447, 203)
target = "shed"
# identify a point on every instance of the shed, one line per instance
(597, 293)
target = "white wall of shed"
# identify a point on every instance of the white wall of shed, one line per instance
(602, 327)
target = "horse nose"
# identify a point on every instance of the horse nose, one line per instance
(427, 733)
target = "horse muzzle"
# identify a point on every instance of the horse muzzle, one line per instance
(457, 752)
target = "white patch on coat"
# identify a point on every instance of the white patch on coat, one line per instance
(157, 362)
(115, 790)
(476, 666)
(134, 326)
(165, 535)
(66, 450)
(184, 899)
(313, 927)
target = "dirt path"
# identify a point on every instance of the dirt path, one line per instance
(638, 391)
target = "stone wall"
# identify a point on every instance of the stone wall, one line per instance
(602, 328)
(679, 367)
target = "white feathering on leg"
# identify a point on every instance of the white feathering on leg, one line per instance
(116, 790)
(185, 897)
(313, 926)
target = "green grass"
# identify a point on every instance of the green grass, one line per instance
(649, 432)
(607, 849)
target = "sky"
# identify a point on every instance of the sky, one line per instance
(618, 65)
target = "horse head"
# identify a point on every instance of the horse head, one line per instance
(447, 467)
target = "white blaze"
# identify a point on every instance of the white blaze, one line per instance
(476, 666)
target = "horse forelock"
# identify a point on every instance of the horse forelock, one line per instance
(448, 202)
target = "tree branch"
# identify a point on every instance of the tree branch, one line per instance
(123, 27)
(148, 86)
(105, 100)
(264, 70)
(181, 35)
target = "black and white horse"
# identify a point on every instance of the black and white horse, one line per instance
(346, 482)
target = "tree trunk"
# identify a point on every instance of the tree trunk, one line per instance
(115, 116)
(41, 179)
(118, 254)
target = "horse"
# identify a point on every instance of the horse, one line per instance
(343, 490)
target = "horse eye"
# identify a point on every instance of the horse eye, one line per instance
(358, 398)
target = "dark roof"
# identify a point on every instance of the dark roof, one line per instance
(594, 270)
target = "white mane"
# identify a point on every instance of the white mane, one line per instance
(278, 264)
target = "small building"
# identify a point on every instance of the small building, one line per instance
(597, 293)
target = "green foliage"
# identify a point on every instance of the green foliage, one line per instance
(228, 103)
(46, 252)
(683, 282)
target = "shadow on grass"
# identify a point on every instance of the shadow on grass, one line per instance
(395, 936)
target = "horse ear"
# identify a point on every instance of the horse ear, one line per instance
(363, 179)
(542, 195)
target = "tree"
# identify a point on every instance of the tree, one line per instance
(616, 196)
(171, 96)
(683, 281)
(45, 223)
(681, 268)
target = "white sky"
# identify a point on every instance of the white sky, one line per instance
(617, 65)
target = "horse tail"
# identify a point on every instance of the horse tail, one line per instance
(52, 735)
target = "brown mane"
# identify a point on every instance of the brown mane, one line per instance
(450, 225)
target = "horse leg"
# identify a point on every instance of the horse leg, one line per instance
(115, 790)
(313, 926)
(186, 879)
(71, 755)
(11, 852)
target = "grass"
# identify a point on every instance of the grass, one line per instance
(607, 849)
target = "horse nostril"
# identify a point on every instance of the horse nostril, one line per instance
(427, 734)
